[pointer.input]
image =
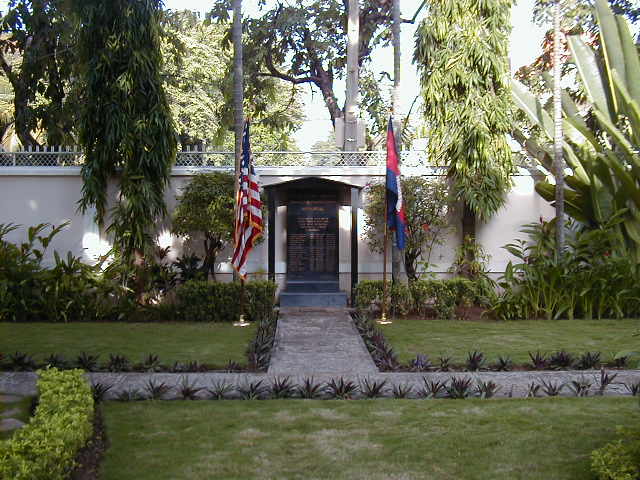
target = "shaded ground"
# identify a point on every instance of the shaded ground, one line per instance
(214, 343)
(376, 439)
(456, 338)
(13, 408)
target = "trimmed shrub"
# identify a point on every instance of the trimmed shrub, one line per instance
(424, 297)
(45, 449)
(202, 301)
(437, 295)
(369, 296)
(619, 460)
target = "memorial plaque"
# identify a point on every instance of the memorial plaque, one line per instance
(312, 238)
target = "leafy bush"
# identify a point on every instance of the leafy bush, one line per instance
(425, 296)
(427, 204)
(69, 290)
(202, 301)
(589, 280)
(45, 449)
(619, 460)
(206, 207)
(369, 295)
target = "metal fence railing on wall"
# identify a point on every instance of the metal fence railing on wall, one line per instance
(72, 156)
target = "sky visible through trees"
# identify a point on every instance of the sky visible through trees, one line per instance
(525, 47)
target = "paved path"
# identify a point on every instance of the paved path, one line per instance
(318, 341)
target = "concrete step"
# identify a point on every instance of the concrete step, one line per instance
(313, 299)
(319, 286)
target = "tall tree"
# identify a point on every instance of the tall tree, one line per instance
(462, 55)
(304, 43)
(579, 14)
(36, 57)
(199, 86)
(126, 127)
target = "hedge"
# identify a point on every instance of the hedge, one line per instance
(202, 301)
(424, 296)
(45, 448)
(619, 460)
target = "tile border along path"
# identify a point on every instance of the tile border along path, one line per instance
(515, 384)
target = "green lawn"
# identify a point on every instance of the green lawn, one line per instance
(214, 343)
(456, 338)
(367, 439)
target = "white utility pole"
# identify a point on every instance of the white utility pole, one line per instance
(238, 83)
(238, 92)
(351, 108)
(558, 159)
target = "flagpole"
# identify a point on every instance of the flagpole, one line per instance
(241, 321)
(383, 318)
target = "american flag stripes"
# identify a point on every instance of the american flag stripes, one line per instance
(248, 209)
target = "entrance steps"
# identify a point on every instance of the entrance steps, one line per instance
(313, 293)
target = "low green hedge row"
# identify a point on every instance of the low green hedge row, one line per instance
(619, 460)
(45, 449)
(439, 297)
(202, 301)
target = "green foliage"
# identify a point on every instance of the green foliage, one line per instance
(591, 279)
(462, 55)
(37, 56)
(580, 12)
(206, 207)
(260, 347)
(424, 297)
(201, 301)
(426, 203)
(194, 65)
(601, 145)
(620, 459)
(125, 121)
(198, 84)
(283, 43)
(471, 262)
(45, 449)
(69, 290)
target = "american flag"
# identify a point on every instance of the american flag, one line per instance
(248, 209)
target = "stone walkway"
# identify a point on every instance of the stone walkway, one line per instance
(318, 341)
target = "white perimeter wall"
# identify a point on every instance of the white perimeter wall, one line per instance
(33, 195)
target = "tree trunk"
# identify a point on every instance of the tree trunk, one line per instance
(209, 260)
(468, 231)
(351, 113)
(557, 137)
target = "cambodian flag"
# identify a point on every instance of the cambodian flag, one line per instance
(396, 217)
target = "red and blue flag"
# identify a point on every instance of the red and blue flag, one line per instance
(396, 217)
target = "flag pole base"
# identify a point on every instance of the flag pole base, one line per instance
(241, 322)
(383, 320)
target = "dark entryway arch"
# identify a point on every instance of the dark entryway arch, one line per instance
(306, 195)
